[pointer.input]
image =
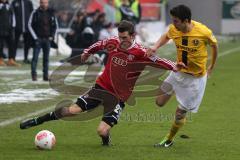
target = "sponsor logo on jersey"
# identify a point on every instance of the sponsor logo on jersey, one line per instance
(195, 42)
(119, 61)
(186, 48)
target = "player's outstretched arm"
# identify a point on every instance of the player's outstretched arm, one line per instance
(162, 41)
(162, 63)
(92, 49)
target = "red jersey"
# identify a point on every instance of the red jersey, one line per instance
(123, 67)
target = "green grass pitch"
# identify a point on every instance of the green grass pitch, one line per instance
(214, 131)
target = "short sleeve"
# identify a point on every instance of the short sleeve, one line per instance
(212, 39)
(170, 31)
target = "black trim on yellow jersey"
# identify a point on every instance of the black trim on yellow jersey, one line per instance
(184, 53)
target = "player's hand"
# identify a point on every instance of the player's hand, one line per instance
(150, 52)
(181, 65)
(84, 57)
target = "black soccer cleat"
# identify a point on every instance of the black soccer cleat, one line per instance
(106, 141)
(29, 123)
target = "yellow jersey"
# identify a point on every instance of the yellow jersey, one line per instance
(192, 47)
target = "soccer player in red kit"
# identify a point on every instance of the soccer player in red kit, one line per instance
(126, 60)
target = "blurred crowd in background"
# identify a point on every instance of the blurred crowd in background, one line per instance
(35, 28)
(98, 25)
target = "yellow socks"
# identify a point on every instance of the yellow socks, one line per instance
(175, 127)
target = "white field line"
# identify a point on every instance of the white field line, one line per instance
(16, 119)
(20, 118)
(230, 51)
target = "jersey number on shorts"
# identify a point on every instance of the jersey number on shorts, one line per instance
(118, 110)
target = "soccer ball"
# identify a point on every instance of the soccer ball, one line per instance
(45, 140)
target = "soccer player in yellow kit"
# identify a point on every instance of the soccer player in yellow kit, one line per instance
(191, 39)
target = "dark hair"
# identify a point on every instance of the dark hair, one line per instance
(182, 12)
(126, 26)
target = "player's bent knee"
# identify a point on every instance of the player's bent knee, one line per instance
(162, 99)
(180, 114)
(159, 102)
(74, 109)
(180, 118)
